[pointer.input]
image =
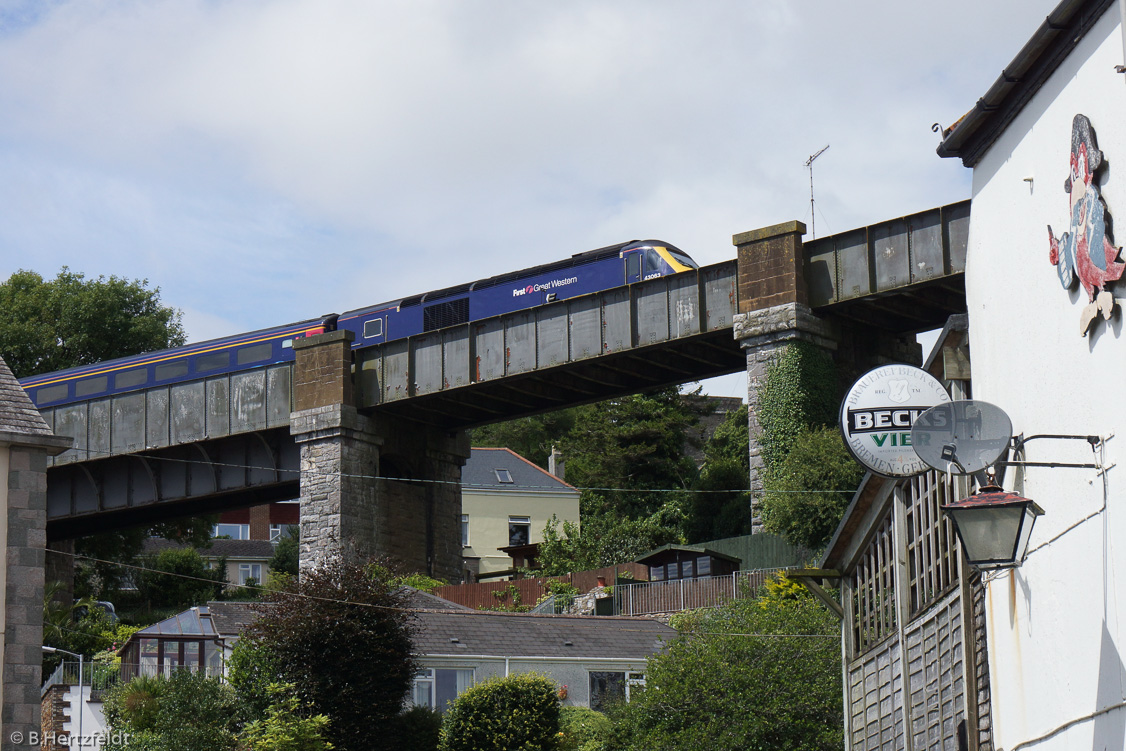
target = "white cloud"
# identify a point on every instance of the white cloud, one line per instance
(276, 159)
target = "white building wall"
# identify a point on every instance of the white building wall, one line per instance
(1056, 634)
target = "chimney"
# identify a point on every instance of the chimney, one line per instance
(555, 463)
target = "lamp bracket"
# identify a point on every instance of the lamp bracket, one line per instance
(1096, 442)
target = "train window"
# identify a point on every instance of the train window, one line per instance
(214, 361)
(257, 353)
(91, 386)
(682, 257)
(374, 327)
(128, 379)
(633, 265)
(652, 262)
(443, 314)
(52, 393)
(168, 370)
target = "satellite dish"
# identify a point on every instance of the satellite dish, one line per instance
(961, 437)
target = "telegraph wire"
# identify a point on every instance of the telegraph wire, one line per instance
(420, 481)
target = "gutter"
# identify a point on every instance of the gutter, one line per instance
(1056, 37)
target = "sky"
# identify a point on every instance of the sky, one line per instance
(267, 161)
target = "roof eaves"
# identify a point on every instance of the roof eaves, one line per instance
(972, 135)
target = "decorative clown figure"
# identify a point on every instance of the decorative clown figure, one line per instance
(1086, 251)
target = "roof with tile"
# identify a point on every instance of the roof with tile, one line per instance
(477, 632)
(17, 413)
(232, 618)
(484, 470)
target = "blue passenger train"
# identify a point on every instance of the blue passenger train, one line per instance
(581, 274)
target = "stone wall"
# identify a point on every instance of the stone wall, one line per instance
(372, 485)
(23, 631)
(54, 714)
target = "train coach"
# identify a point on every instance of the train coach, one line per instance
(581, 274)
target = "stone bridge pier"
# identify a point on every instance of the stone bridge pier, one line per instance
(371, 485)
(774, 312)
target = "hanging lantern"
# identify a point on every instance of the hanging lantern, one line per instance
(994, 526)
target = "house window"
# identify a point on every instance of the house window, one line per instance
(686, 570)
(703, 566)
(280, 531)
(519, 530)
(437, 687)
(465, 530)
(233, 531)
(504, 476)
(247, 571)
(656, 573)
(608, 687)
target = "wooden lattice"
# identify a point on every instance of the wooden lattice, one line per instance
(873, 599)
(932, 552)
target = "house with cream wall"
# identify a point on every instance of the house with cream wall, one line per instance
(1046, 326)
(506, 501)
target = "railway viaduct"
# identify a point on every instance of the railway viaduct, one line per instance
(372, 440)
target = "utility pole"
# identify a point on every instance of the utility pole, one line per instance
(812, 215)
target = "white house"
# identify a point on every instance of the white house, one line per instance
(1046, 143)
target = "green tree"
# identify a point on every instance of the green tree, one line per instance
(809, 476)
(721, 504)
(751, 674)
(185, 712)
(341, 636)
(605, 539)
(287, 554)
(808, 491)
(531, 437)
(635, 445)
(98, 571)
(516, 713)
(178, 578)
(48, 325)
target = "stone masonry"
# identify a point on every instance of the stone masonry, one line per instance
(371, 485)
(25, 444)
(774, 311)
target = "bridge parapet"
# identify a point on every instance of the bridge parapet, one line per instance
(156, 418)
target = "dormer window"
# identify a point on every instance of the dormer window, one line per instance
(503, 475)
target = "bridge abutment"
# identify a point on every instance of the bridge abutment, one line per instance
(371, 485)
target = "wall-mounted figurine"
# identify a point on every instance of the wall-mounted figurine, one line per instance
(1086, 250)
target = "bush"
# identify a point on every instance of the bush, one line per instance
(750, 674)
(517, 713)
(186, 712)
(341, 637)
(583, 729)
(420, 728)
(192, 582)
(284, 728)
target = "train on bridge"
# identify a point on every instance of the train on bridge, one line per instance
(581, 274)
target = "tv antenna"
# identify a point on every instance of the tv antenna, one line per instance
(812, 216)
